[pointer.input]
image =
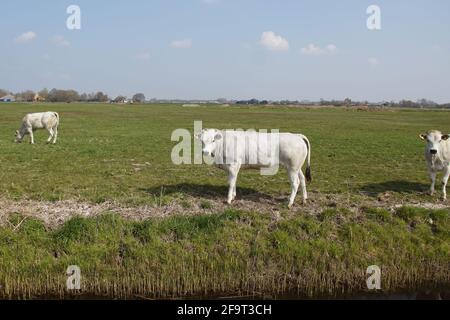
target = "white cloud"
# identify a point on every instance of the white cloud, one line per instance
(46, 56)
(25, 37)
(181, 44)
(331, 48)
(314, 50)
(60, 41)
(273, 41)
(373, 61)
(143, 56)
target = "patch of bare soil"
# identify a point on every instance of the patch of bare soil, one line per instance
(53, 214)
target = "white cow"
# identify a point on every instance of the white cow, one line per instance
(437, 156)
(233, 150)
(42, 120)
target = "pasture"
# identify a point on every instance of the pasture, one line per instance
(107, 197)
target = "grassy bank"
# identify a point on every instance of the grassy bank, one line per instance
(231, 253)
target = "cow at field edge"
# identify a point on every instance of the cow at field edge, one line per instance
(437, 156)
(292, 151)
(42, 120)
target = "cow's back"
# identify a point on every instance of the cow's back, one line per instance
(40, 120)
(292, 149)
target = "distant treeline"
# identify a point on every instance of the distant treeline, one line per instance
(422, 103)
(59, 95)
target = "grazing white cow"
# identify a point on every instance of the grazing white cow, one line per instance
(42, 120)
(233, 150)
(437, 156)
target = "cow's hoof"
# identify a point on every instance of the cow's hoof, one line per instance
(290, 205)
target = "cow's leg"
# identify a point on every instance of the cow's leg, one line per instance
(295, 182)
(30, 132)
(303, 185)
(233, 172)
(234, 189)
(51, 133)
(433, 180)
(444, 182)
(55, 135)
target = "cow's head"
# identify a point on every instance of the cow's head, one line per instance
(18, 137)
(208, 138)
(433, 139)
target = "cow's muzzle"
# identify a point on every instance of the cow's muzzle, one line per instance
(433, 151)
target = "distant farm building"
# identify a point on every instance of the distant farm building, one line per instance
(8, 98)
(38, 98)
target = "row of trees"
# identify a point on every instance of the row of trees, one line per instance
(59, 95)
(422, 103)
(346, 102)
(252, 101)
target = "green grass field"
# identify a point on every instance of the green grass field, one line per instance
(100, 145)
(368, 172)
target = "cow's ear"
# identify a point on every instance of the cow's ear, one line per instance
(445, 137)
(218, 136)
(423, 136)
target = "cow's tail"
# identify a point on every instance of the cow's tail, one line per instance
(57, 117)
(308, 167)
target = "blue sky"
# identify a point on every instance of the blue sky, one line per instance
(236, 49)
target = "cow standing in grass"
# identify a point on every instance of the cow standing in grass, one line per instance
(235, 150)
(42, 120)
(437, 156)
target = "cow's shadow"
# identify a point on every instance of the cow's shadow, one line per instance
(399, 186)
(212, 192)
